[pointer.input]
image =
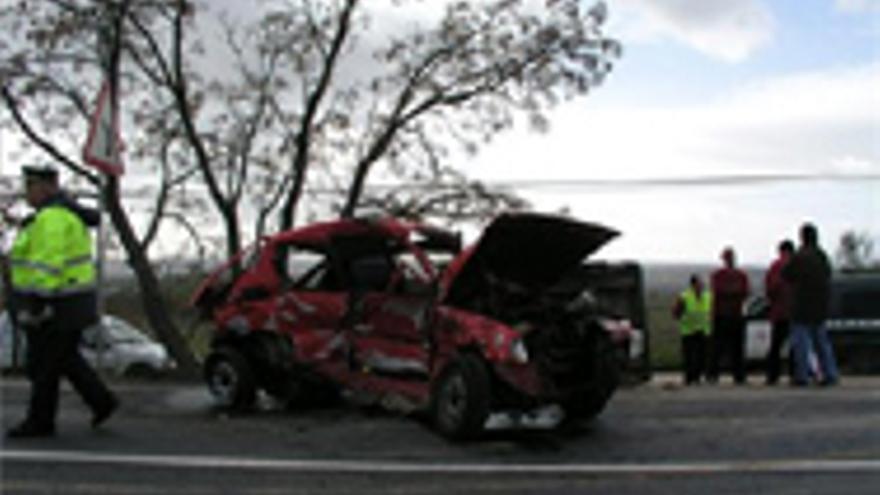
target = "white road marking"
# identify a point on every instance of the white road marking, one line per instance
(794, 466)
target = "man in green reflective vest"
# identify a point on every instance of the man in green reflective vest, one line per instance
(693, 310)
(54, 300)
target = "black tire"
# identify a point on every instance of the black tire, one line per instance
(285, 389)
(299, 393)
(590, 401)
(230, 379)
(460, 399)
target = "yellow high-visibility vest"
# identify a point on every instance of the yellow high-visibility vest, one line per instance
(697, 314)
(52, 255)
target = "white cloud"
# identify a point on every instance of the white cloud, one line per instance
(822, 123)
(806, 124)
(729, 30)
(852, 165)
(857, 6)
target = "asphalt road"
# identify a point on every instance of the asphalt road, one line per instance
(653, 439)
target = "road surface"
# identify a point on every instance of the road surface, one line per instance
(652, 439)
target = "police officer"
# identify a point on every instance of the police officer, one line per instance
(693, 310)
(54, 299)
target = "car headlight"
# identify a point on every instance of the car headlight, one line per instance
(518, 352)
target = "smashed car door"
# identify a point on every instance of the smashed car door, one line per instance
(385, 317)
(311, 309)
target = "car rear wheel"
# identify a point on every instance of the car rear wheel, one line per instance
(230, 379)
(460, 399)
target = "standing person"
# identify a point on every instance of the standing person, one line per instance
(53, 291)
(809, 273)
(730, 288)
(778, 292)
(693, 310)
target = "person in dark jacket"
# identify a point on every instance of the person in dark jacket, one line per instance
(809, 273)
(778, 292)
(730, 288)
(54, 299)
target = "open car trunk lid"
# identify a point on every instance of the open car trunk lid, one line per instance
(528, 249)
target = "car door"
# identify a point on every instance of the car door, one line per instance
(310, 310)
(385, 325)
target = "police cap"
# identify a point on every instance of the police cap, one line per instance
(40, 172)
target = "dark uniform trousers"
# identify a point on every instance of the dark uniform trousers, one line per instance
(694, 353)
(728, 341)
(53, 352)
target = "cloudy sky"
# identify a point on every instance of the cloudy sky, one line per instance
(727, 122)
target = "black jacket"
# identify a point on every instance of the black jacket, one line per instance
(809, 273)
(89, 216)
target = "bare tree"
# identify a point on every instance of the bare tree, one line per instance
(51, 66)
(465, 79)
(299, 94)
(429, 93)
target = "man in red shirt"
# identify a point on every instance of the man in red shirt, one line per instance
(778, 292)
(730, 288)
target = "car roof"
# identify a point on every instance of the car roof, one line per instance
(319, 235)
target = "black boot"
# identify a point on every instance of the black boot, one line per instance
(28, 429)
(99, 416)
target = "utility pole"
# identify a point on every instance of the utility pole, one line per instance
(109, 42)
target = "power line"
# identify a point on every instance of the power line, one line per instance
(696, 181)
(693, 181)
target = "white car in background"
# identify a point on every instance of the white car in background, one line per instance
(114, 346)
(758, 330)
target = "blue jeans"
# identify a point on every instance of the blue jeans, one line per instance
(808, 337)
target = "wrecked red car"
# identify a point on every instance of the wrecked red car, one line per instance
(399, 313)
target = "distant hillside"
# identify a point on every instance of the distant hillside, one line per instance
(663, 283)
(674, 277)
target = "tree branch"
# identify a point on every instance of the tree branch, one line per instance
(44, 144)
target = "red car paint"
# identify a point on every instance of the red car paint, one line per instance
(397, 337)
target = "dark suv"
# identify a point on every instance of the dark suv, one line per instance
(853, 322)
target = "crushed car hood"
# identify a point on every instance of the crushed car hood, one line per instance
(528, 249)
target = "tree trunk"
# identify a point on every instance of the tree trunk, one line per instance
(288, 212)
(154, 304)
(355, 191)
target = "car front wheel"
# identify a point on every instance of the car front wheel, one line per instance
(589, 402)
(460, 399)
(230, 379)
